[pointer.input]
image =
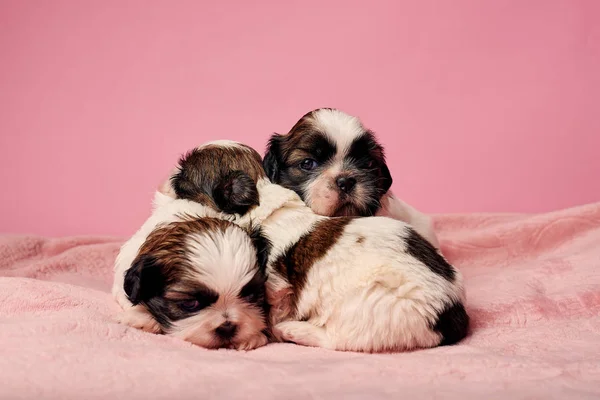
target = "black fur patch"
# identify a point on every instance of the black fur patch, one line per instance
(166, 311)
(424, 251)
(452, 324)
(366, 150)
(144, 280)
(263, 247)
(272, 159)
(254, 291)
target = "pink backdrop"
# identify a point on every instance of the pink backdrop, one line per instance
(483, 105)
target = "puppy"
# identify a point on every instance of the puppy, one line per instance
(191, 276)
(338, 168)
(358, 284)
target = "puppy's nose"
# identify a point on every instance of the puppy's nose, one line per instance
(226, 330)
(345, 184)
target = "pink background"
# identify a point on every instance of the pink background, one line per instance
(482, 105)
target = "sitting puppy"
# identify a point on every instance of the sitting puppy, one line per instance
(194, 277)
(338, 168)
(358, 284)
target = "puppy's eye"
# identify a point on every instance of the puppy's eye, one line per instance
(190, 305)
(308, 164)
(370, 164)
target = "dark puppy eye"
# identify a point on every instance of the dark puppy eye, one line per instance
(254, 290)
(370, 164)
(190, 305)
(308, 164)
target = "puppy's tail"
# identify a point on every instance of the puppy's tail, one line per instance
(452, 324)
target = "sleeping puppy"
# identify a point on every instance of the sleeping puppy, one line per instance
(338, 168)
(358, 284)
(191, 276)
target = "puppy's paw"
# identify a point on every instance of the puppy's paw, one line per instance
(253, 342)
(302, 333)
(122, 300)
(137, 317)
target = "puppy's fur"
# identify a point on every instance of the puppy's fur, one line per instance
(361, 284)
(338, 168)
(191, 276)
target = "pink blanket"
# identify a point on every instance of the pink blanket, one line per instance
(533, 288)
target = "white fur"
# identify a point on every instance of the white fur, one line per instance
(340, 127)
(230, 255)
(367, 296)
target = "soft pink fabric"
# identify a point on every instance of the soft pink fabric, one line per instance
(482, 105)
(533, 285)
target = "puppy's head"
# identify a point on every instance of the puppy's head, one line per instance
(221, 175)
(202, 281)
(332, 162)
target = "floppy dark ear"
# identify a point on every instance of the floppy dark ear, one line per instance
(236, 193)
(143, 280)
(262, 245)
(184, 181)
(385, 179)
(272, 159)
(182, 187)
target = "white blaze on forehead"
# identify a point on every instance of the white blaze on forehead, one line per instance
(340, 127)
(224, 261)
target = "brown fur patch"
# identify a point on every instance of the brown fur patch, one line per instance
(167, 245)
(300, 140)
(240, 157)
(295, 263)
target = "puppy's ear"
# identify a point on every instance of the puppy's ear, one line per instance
(272, 160)
(236, 193)
(385, 178)
(144, 280)
(184, 181)
(263, 246)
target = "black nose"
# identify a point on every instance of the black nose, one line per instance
(227, 330)
(345, 184)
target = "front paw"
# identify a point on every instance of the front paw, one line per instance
(302, 333)
(253, 342)
(139, 318)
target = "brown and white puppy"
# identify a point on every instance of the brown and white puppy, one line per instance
(361, 284)
(191, 276)
(338, 168)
